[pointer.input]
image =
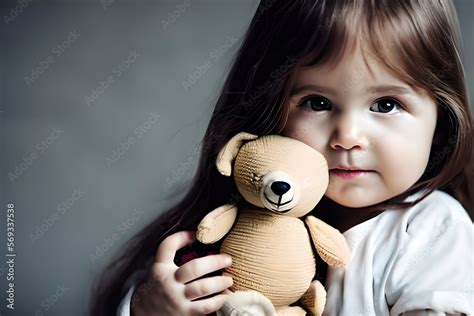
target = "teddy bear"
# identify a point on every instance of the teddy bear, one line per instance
(280, 180)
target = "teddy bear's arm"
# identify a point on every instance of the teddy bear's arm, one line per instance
(216, 224)
(329, 242)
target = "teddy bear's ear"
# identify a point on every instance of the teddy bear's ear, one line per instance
(228, 153)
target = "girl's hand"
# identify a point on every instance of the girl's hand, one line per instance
(172, 290)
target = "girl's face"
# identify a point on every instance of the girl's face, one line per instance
(358, 114)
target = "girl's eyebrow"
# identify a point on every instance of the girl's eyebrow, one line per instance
(382, 89)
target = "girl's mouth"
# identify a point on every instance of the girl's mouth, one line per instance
(348, 174)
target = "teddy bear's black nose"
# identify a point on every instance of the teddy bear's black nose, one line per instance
(280, 187)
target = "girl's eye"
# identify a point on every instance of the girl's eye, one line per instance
(385, 106)
(316, 103)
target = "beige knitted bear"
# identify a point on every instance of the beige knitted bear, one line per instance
(281, 180)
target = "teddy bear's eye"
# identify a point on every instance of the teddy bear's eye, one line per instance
(255, 178)
(255, 182)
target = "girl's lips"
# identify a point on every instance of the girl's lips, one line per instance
(348, 174)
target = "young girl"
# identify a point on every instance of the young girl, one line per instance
(378, 88)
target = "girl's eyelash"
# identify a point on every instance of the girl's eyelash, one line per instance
(309, 97)
(395, 99)
(400, 104)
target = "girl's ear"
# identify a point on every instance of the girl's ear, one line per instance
(230, 150)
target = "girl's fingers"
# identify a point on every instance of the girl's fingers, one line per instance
(198, 267)
(168, 247)
(207, 286)
(209, 305)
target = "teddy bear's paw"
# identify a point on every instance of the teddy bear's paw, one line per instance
(314, 299)
(247, 303)
(291, 311)
(216, 224)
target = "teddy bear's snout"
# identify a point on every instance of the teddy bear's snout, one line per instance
(278, 192)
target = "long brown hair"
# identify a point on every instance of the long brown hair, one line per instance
(282, 36)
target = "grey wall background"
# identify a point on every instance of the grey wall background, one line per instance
(100, 121)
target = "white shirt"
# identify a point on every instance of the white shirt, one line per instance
(402, 260)
(124, 307)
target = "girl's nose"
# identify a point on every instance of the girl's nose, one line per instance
(348, 133)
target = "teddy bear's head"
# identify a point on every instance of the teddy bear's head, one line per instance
(275, 172)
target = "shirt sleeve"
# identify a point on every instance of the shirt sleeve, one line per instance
(434, 268)
(124, 307)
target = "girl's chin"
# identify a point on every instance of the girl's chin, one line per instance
(352, 204)
(353, 201)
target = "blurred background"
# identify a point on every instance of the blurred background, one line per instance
(103, 105)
